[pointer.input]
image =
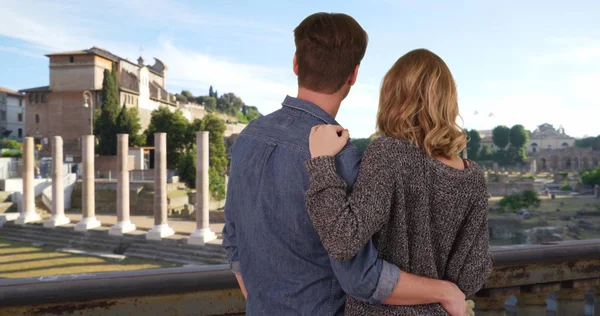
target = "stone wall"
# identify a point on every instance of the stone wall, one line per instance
(506, 188)
(141, 199)
(109, 163)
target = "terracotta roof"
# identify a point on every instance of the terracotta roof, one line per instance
(11, 92)
(94, 50)
(37, 89)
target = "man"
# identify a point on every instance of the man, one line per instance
(272, 246)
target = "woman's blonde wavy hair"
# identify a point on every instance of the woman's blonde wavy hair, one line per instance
(418, 102)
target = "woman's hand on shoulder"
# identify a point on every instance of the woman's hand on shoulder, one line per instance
(327, 140)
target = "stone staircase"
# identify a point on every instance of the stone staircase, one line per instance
(6, 203)
(173, 249)
(177, 250)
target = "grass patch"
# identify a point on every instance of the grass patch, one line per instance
(19, 260)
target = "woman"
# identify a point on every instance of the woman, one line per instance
(424, 207)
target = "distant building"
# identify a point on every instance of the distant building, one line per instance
(545, 137)
(12, 114)
(58, 109)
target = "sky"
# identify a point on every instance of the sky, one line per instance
(523, 62)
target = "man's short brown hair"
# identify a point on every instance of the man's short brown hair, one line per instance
(328, 48)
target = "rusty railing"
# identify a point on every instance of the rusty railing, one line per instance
(547, 279)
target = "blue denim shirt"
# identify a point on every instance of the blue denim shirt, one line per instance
(268, 234)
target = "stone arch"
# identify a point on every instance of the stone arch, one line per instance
(543, 164)
(554, 162)
(585, 163)
(566, 163)
(575, 163)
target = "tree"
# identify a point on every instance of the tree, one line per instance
(128, 122)
(519, 136)
(188, 95)
(229, 104)
(217, 155)
(210, 103)
(106, 122)
(187, 167)
(211, 92)
(177, 128)
(589, 142)
(485, 153)
(473, 144)
(251, 112)
(591, 177)
(501, 136)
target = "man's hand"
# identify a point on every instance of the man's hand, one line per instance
(327, 140)
(454, 302)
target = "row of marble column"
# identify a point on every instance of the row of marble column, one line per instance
(124, 225)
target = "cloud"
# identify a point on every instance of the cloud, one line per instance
(21, 51)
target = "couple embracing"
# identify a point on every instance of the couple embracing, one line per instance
(313, 228)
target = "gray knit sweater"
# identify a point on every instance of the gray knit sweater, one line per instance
(425, 217)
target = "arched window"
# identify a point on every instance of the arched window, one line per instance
(565, 145)
(37, 99)
(43, 98)
(37, 119)
(534, 144)
(20, 117)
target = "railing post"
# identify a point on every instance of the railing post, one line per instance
(203, 232)
(570, 300)
(88, 219)
(161, 228)
(58, 189)
(491, 302)
(123, 224)
(531, 301)
(28, 213)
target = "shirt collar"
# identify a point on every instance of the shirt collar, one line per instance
(310, 108)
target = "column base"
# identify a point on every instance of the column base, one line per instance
(159, 232)
(121, 228)
(55, 221)
(28, 218)
(8, 217)
(86, 224)
(201, 236)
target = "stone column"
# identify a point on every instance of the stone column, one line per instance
(161, 227)
(58, 189)
(491, 302)
(570, 300)
(203, 232)
(123, 224)
(88, 219)
(532, 299)
(28, 213)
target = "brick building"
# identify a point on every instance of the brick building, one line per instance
(58, 109)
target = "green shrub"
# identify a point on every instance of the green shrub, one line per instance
(566, 187)
(12, 154)
(9, 144)
(525, 199)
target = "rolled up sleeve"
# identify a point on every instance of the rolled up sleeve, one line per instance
(365, 277)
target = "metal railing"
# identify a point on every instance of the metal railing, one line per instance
(548, 279)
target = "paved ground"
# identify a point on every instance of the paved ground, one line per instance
(145, 223)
